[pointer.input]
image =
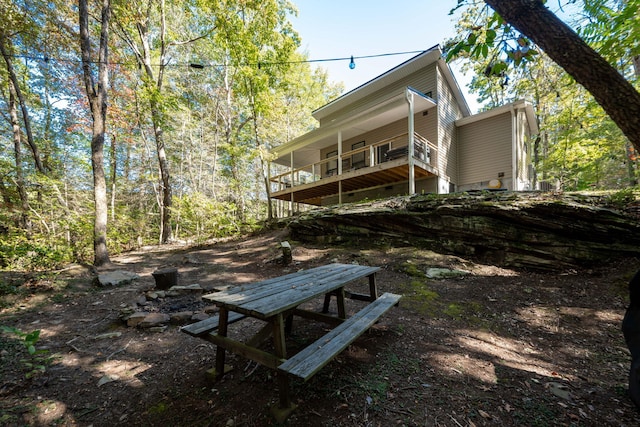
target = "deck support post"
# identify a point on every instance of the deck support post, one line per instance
(411, 141)
(292, 199)
(339, 167)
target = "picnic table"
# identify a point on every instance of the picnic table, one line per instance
(275, 301)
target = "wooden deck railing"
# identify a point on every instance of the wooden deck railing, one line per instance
(386, 150)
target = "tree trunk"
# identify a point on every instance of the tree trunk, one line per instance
(25, 222)
(114, 176)
(23, 106)
(165, 217)
(616, 95)
(98, 103)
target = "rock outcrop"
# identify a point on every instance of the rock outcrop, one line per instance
(522, 230)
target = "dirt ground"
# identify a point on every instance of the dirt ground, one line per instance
(494, 347)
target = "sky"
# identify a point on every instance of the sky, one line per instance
(345, 28)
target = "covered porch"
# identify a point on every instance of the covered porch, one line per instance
(317, 165)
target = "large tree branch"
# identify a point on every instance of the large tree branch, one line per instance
(610, 89)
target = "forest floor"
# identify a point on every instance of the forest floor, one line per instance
(494, 347)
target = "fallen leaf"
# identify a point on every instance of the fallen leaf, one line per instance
(559, 390)
(107, 379)
(484, 414)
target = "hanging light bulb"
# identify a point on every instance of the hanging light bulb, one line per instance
(352, 64)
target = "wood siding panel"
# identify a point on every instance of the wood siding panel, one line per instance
(485, 150)
(423, 81)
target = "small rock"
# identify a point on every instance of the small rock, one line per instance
(182, 290)
(210, 309)
(181, 317)
(116, 278)
(127, 311)
(136, 318)
(191, 259)
(152, 295)
(107, 335)
(142, 300)
(158, 329)
(154, 319)
(444, 273)
(199, 316)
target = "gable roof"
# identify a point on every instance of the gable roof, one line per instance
(418, 62)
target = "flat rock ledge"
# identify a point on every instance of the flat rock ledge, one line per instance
(532, 230)
(116, 278)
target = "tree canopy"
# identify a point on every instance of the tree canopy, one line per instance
(580, 80)
(200, 91)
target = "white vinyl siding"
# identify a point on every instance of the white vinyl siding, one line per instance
(485, 150)
(425, 125)
(423, 81)
(448, 112)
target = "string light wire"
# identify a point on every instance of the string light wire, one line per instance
(48, 59)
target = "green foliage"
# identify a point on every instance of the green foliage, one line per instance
(252, 92)
(493, 38)
(38, 359)
(578, 146)
(613, 28)
(19, 253)
(620, 199)
(202, 218)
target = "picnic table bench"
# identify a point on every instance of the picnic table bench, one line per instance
(275, 301)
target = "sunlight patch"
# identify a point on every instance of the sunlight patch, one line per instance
(463, 364)
(121, 370)
(511, 353)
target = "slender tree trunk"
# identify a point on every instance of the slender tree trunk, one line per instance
(23, 105)
(609, 88)
(156, 117)
(114, 176)
(25, 221)
(98, 103)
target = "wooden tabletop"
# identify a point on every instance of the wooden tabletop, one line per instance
(269, 297)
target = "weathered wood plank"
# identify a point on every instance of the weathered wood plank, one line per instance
(310, 360)
(244, 350)
(202, 327)
(327, 275)
(292, 297)
(319, 317)
(241, 290)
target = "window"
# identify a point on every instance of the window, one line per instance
(382, 152)
(358, 159)
(332, 165)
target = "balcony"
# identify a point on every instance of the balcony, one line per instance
(379, 164)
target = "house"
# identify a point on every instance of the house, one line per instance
(408, 131)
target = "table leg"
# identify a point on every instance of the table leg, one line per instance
(327, 301)
(220, 351)
(342, 312)
(288, 325)
(283, 409)
(373, 288)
